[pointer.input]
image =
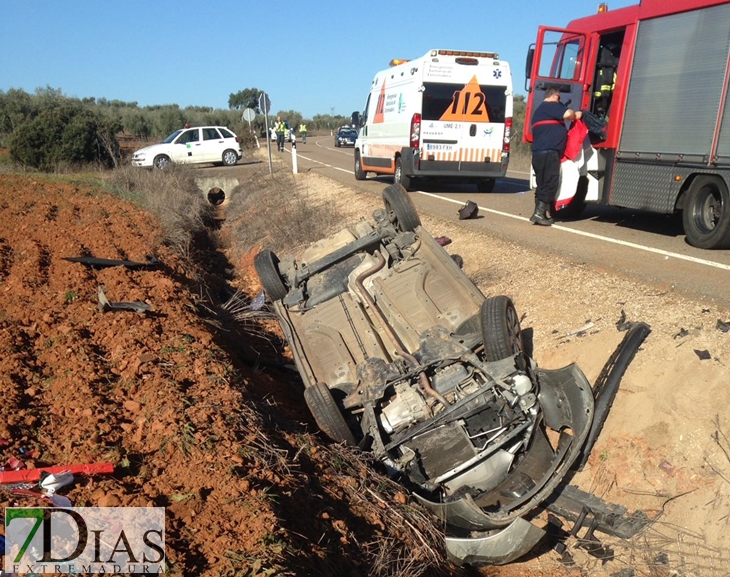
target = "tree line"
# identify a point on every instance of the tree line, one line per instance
(47, 129)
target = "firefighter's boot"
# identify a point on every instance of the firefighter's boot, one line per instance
(541, 216)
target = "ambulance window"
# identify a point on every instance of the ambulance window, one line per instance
(561, 56)
(364, 118)
(438, 98)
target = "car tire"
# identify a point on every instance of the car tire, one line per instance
(706, 214)
(401, 210)
(230, 157)
(400, 178)
(162, 162)
(359, 172)
(500, 328)
(327, 414)
(266, 264)
(486, 185)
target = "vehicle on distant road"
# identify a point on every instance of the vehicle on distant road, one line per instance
(194, 145)
(345, 136)
(401, 354)
(445, 116)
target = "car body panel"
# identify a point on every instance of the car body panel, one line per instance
(194, 145)
(345, 136)
(403, 340)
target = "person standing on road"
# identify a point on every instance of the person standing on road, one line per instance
(280, 130)
(549, 137)
(303, 132)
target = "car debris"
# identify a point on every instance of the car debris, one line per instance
(722, 326)
(151, 262)
(105, 305)
(469, 210)
(33, 475)
(703, 355)
(402, 355)
(582, 330)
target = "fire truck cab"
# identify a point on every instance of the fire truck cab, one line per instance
(657, 75)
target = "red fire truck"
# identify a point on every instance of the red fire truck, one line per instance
(657, 73)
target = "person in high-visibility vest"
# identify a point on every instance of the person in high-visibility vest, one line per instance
(303, 132)
(280, 130)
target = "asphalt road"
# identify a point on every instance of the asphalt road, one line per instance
(640, 245)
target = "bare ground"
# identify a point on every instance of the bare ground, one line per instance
(173, 401)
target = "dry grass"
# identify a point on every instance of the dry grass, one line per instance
(172, 197)
(277, 212)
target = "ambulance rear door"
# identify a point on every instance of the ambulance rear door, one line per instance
(464, 111)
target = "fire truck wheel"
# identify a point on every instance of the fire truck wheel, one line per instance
(706, 215)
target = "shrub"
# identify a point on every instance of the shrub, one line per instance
(66, 134)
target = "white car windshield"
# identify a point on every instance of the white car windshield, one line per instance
(172, 137)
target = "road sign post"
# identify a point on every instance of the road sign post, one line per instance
(265, 106)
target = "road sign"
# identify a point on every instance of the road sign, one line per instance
(249, 114)
(264, 103)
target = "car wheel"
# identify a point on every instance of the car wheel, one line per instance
(500, 328)
(267, 267)
(486, 185)
(337, 144)
(359, 172)
(400, 178)
(327, 414)
(161, 162)
(706, 215)
(230, 158)
(401, 210)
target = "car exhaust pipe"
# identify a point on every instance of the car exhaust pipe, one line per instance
(607, 384)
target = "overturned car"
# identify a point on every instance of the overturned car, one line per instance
(401, 354)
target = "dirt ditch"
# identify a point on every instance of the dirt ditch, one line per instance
(191, 423)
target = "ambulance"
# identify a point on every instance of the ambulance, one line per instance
(446, 116)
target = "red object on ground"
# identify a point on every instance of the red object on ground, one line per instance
(35, 474)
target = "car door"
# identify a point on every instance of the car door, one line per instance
(188, 147)
(213, 145)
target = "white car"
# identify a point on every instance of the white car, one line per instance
(195, 145)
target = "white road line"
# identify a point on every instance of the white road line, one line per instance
(322, 163)
(590, 235)
(561, 228)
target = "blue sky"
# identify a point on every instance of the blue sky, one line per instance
(313, 57)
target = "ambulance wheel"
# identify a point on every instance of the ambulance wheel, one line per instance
(400, 178)
(401, 210)
(486, 185)
(267, 267)
(706, 215)
(501, 330)
(327, 414)
(359, 172)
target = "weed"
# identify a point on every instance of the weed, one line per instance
(604, 456)
(70, 296)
